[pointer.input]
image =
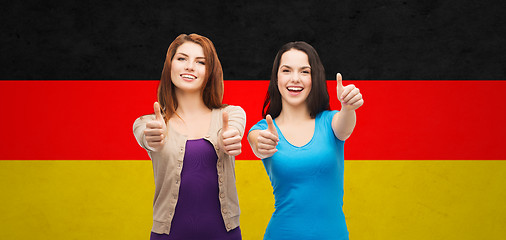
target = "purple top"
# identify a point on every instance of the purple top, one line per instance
(197, 214)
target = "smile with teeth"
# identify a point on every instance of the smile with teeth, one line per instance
(188, 76)
(295, 89)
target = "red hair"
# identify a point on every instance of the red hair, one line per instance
(212, 87)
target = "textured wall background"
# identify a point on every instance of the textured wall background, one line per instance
(390, 39)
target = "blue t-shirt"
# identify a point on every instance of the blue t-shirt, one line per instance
(307, 182)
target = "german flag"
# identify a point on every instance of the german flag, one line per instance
(427, 159)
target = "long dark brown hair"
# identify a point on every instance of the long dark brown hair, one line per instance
(318, 99)
(212, 87)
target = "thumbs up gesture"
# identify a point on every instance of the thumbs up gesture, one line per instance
(155, 130)
(230, 139)
(267, 139)
(349, 95)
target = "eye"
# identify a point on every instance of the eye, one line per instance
(285, 70)
(201, 62)
(181, 59)
(306, 72)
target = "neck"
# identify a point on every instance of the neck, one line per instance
(190, 104)
(293, 114)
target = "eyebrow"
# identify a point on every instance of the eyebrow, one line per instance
(303, 67)
(186, 55)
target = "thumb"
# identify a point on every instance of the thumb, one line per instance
(225, 121)
(340, 87)
(158, 113)
(270, 125)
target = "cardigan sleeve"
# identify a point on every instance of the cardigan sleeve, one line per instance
(236, 118)
(139, 127)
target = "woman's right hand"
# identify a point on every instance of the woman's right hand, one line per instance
(267, 140)
(155, 130)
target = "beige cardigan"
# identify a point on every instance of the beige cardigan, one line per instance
(168, 163)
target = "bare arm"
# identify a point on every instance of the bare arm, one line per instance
(344, 121)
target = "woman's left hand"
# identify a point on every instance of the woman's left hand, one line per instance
(349, 95)
(230, 139)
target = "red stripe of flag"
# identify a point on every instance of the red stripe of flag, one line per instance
(412, 120)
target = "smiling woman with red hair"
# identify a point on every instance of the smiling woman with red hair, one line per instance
(192, 140)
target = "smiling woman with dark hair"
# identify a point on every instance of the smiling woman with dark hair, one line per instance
(301, 144)
(318, 99)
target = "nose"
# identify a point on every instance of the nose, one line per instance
(295, 77)
(189, 65)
